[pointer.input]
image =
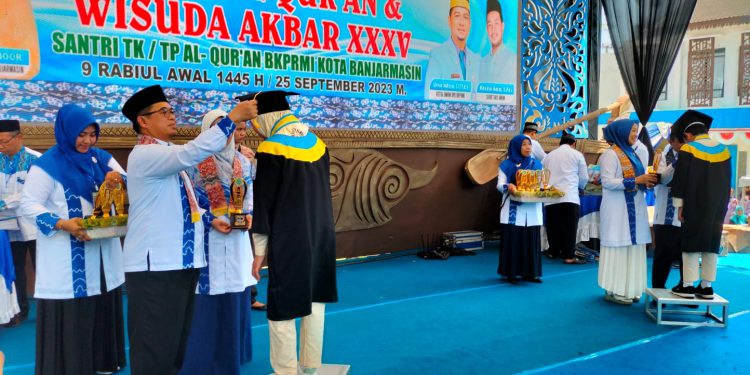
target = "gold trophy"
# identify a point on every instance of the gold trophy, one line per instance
(111, 194)
(238, 218)
(655, 167)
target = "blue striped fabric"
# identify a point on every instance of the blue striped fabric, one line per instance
(77, 248)
(188, 230)
(630, 203)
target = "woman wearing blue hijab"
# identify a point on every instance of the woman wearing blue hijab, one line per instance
(79, 302)
(624, 228)
(520, 244)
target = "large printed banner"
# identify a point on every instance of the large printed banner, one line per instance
(445, 67)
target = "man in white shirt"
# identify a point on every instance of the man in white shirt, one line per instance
(530, 129)
(164, 245)
(15, 161)
(568, 173)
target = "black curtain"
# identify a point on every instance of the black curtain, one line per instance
(594, 49)
(646, 35)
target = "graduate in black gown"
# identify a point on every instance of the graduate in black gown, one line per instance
(293, 225)
(701, 188)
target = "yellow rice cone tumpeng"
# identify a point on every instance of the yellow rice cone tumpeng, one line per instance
(19, 43)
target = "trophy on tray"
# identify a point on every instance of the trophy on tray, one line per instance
(534, 186)
(110, 216)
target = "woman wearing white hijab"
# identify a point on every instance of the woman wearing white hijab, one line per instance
(220, 338)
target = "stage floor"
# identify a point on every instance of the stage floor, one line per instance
(405, 315)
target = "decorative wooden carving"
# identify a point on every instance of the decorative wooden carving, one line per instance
(366, 184)
(700, 79)
(744, 70)
(41, 136)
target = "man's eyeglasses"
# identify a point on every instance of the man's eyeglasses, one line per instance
(165, 111)
(6, 142)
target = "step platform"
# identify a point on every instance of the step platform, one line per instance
(664, 299)
(334, 370)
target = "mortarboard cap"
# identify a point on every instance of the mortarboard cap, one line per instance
(9, 126)
(141, 100)
(530, 126)
(460, 3)
(494, 6)
(269, 101)
(688, 119)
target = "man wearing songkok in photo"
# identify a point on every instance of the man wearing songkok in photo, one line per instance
(293, 226)
(164, 245)
(700, 187)
(453, 60)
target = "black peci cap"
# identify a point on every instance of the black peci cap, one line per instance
(9, 126)
(567, 138)
(530, 126)
(141, 100)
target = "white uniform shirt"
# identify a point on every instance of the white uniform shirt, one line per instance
(517, 213)
(13, 172)
(500, 67)
(614, 228)
(568, 172)
(229, 256)
(59, 273)
(159, 236)
(666, 212)
(537, 151)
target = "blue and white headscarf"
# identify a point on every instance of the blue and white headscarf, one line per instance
(618, 132)
(80, 173)
(516, 160)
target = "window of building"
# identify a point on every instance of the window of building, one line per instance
(719, 58)
(663, 95)
(700, 78)
(744, 69)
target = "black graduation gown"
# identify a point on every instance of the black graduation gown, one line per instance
(292, 206)
(702, 180)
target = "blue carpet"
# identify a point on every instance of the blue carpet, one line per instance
(406, 315)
